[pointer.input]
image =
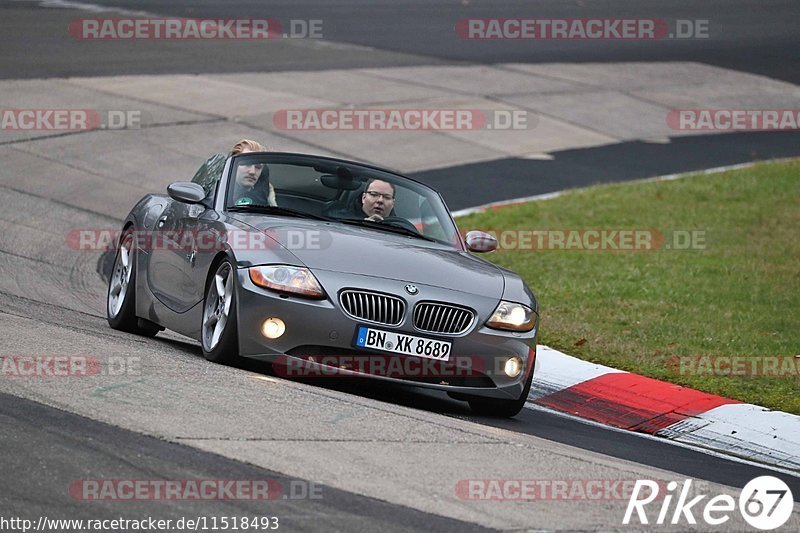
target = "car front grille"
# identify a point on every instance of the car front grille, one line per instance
(373, 307)
(435, 317)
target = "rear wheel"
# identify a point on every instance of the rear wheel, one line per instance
(501, 408)
(121, 300)
(218, 332)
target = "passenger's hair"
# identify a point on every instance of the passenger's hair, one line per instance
(247, 144)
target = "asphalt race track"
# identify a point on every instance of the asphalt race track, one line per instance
(605, 164)
(759, 38)
(376, 457)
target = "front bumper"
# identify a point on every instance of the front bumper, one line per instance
(318, 341)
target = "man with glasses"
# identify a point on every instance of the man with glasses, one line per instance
(377, 200)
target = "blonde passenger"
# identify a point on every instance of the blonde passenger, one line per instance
(252, 181)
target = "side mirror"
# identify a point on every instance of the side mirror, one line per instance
(186, 192)
(480, 241)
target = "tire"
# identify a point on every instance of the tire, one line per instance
(501, 408)
(121, 296)
(218, 330)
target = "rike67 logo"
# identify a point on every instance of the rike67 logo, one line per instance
(765, 503)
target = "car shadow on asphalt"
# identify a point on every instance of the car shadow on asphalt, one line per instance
(405, 395)
(383, 391)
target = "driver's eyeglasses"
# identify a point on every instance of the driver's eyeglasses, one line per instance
(375, 195)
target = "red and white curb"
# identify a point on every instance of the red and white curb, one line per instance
(632, 402)
(636, 403)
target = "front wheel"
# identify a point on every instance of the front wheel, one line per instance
(501, 408)
(121, 300)
(218, 332)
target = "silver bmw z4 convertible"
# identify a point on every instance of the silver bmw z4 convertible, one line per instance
(326, 267)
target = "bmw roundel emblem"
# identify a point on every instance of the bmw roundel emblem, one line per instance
(412, 289)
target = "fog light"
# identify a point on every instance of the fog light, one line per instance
(513, 367)
(272, 328)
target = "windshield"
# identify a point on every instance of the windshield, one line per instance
(337, 191)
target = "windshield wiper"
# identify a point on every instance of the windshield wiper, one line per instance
(386, 227)
(275, 210)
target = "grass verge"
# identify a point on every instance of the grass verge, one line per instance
(715, 301)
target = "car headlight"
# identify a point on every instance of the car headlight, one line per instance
(513, 317)
(284, 278)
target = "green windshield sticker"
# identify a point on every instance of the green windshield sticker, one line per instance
(244, 201)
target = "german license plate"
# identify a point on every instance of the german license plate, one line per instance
(392, 341)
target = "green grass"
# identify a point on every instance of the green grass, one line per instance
(635, 310)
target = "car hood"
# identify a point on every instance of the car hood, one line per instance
(344, 248)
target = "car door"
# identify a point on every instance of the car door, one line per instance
(182, 237)
(173, 256)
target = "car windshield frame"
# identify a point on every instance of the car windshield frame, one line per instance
(357, 171)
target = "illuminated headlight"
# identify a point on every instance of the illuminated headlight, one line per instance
(513, 367)
(284, 278)
(513, 317)
(272, 328)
